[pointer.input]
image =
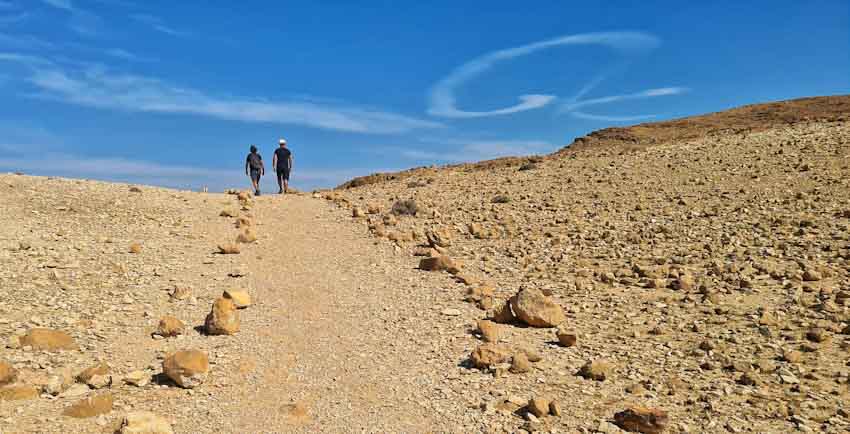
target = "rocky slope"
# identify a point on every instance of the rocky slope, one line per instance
(705, 273)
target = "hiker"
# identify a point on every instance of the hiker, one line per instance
(282, 162)
(254, 168)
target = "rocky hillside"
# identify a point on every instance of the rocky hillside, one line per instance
(703, 278)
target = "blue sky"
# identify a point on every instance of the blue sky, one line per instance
(173, 93)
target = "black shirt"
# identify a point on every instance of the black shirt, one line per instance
(254, 161)
(283, 155)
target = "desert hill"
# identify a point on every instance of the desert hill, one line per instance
(681, 277)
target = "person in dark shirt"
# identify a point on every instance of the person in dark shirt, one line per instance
(255, 168)
(282, 162)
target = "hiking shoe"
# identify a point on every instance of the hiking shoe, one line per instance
(257, 193)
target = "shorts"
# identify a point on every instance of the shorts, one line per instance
(283, 174)
(255, 175)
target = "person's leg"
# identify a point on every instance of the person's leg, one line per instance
(279, 181)
(286, 181)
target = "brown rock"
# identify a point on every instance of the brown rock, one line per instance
(8, 374)
(186, 368)
(438, 238)
(539, 407)
(490, 354)
(566, 338)
(90, 407)
(170, 326)
(228, 212)
(792, 356)
(685, 282)
(180, 293)
(503, 314)
(247, 236)
(240, 298)
(478, 293)
(642, 420)
(48, 340)
(490, 331)
(18, 393)
(520, 364)
(228, 249)
(223, 319)
(537, 310)
(811, 275)
(91, 371)
(135, 248)
(439, 263)
(817, 334)
(145, 422)
(555, 408)
(244, 222)
(598, 370)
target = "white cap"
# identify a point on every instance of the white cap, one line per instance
(282, 141)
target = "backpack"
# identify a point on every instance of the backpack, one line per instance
(255, 161)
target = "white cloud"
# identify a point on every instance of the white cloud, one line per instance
(95, 87)
(158, 24)
(126, 55)
(442, 99)
(649, 93)
(473, 150)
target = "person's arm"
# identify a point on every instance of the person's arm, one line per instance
(274, 160)
(247, 160)
(262, 167)
(290, 162)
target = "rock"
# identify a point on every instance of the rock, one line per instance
(536, 309)
(811, 275)
(90, 407)
(490, 331)
(135, 189)
(532, 355)
(451, 312)
(145, 422)
(685, 282)
(241, 298)
(76, 390)
(489, 354)
(520, 364)
(439, 263)
(642, 420)
(228, 249)
(244, 195)
(137, 378)
(223, 319)
(91, 371)
(538, 407)
(99, 381)
(228, 212)
(566, 338)
(504, 314)
(479, 292)
(187, 368)
(598, 370)
(247, 236)
(135, 248)
(18, 393)
(817, 335)
(170, 326)
(792, 356)
(8, 374)
(438, 238)
(555, 408)
(48, 340)
(244, 222)
(357, 212)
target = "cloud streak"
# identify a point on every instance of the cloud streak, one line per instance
(97, 88)
(442, 99)
(473, 150)
(158, 24)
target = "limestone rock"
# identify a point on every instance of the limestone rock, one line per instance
(223, 319)
(228, 249)
(536, 309)
(8, 374)
(187, 368)
(240, 298)
(145, 422)
(18, 393)
(48, 340)
(90, 407)
(642, 420)
(598, 370)
(170, 326)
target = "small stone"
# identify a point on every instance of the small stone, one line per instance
(520, 364)
(439, 263)
(812, 275)
(99, 381)
(490, 331)
(489, 354)
(642, 420)
(228, 212)
(536, 309)
(75, 391)
(503, 314)
(598, 370)
(817, 334)
(451, 312)
(228, 249)
(539, 407)
(555, 408)
(170, 326)
(8, 374)
(566, 338)
(137, 378)
(187, 368)
(240, 298)
(145, 422)
(792, 356)
(247, 236)
(135, 248)
(90, 407)
(685, 282)
(180, 293)
(223, 319)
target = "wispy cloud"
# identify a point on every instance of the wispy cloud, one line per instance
(119, 53)
(158, 24)
(442, 99)
(98, 88)
(573, 107)
(472, 150)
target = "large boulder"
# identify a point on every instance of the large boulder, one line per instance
(145, 422)
(187, 368)
(48, 340)
(536, 309)
(223, 319)
(90, 407)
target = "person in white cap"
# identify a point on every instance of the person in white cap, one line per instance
(282, 162)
